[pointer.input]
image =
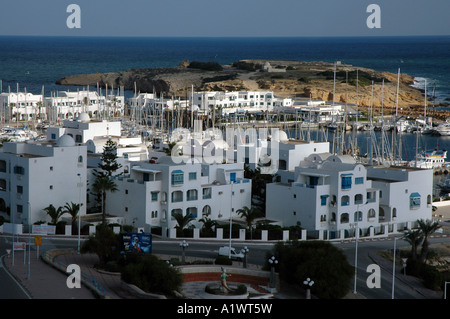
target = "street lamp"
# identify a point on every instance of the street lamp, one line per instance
(245, 251)
(272, 262)
(355, 225)
(183, 245)
(79, 216)
(393, 264)
(445, 289)
(308, 283)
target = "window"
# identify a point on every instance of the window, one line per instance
(371, 213)
(232, 177)
(414, 201)
(19, 209)
(346, 182)
(344, 218)
(177, 196)
(358, 216)
(19, 170)
(192, 176)
(177, 177)
(192, 212)
(80, 159)
(359, 180)
(192, 194)
(358, 199)
(19, 189)
(345, 200)
(323, 200)
(3, 166)
(154, 196)
(206, 193)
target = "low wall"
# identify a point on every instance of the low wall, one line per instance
(213, 273)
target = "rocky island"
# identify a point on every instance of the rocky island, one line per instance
(314, 80)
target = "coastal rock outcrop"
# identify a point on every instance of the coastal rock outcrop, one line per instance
(355, 85)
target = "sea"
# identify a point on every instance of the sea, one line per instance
(35, 63)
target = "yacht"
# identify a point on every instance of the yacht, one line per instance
(443, 129)
(430, 160)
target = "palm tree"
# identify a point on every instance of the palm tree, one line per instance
(182, 221)
(249, 214)
(414, 238)
(54, 213)
(208, 224)
(73, 209)
(427, 227)
(101, 185)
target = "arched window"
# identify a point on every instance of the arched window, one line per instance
(80, 159)
(358, 216)
(344, 218)
(371, 213)
(345, 200)
(206, 211)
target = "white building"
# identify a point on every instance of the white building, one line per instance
(21, 106)
(328, 195)
(231, 102)
(152, 193)
(67, 105)
(34, 176)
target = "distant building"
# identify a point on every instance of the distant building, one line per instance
(36, 175)
(21, 106)
(151, 194)
(329, 195)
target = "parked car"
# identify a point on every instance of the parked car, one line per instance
(225, 251)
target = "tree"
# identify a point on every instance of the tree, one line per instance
(321, 261)
(54, 213)
(103, 184)
(105, 244)
(109, 162)
(73, 209)
(182, 221)
(249, 214)
(414, 238)
(259, 182)
(208, 224)
(427, 227)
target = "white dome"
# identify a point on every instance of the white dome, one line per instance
(65, 141)
(83, 117)
(279, 136)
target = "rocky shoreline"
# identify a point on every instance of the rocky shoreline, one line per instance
(285, 78)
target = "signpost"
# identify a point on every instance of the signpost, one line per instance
(37, 243)
(404, 260)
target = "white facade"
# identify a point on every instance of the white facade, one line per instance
(21, 106)
(232, 102)
(66, 105)
(33, 176)
(330, 195)
(152, 193)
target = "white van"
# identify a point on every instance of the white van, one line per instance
(225, 251)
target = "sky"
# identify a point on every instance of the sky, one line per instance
(232, 18)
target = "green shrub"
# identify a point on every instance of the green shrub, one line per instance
(223, 260)
(152, 275)
(321, 261)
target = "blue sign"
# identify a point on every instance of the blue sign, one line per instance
(137, 242)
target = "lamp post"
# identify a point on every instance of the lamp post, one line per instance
(231, 211)
(308, 283)
(245, 251)
(272, 262)
(29, 238)
(355, 225)
(183, 245)
(79, 216)
(445, 289)
(393, 264)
